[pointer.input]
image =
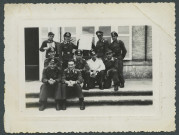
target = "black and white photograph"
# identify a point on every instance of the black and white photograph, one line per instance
(92, 67)
(89, 67)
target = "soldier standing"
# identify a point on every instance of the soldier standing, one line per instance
(51, 84)
(101, 45)
(72, 78)
(48, 44)
(119, 50)
(83, 67)
(111, 70)
(97, 68)
(66, 49)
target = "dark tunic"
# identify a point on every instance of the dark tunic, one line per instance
(118, 49)
(101, 47)
(112, 63)
(73, 75)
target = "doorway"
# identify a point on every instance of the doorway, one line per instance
(31, 54)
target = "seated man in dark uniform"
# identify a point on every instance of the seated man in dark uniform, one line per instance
(52, 56)
(111, 72)
(72, 78)
(48, 44)
(51, 84)
(83, 67)
(97, 68)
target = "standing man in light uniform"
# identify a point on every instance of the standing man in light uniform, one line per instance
(97, 68)
(49, 44)
(119, 50)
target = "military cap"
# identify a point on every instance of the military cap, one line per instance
(114, 34)
(92, 53)
(67, 34)
(51, 33)
(78, 52)
(52, 61)
(99, 33)
(108, 51)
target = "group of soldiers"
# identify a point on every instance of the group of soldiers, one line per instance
(68, 67)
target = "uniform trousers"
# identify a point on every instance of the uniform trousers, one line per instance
(86, 77)
(99, 78)
(77, 88)
(120, 70)
(112, 75)
(55, 90)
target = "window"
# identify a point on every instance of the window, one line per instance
(125, 35)
(89, 30)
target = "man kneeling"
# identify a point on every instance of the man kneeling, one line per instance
(51, 85)
(72, 78)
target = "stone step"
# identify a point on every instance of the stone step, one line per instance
(93, 93)
(97, 101)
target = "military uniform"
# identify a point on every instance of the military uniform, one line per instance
(56, 60)
(72, 75)
(47, 89)
(66, 49)
(51, 44)
(119, 51)
(83, 67)
(101, 46)
(111, 72)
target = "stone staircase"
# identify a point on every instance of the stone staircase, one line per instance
(135, 93)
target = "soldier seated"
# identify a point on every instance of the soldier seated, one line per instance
(72, 78)
(51, 85)
(97, 68)
(111, 72)
(83, 67)
(52, 56)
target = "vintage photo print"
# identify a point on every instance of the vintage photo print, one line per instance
(89, 67)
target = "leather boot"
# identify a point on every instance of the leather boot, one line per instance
(82, 105)
(42, 106)
(58, 106)
(64, 105)
(122, 85)
(115, 87)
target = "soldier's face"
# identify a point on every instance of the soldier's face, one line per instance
(52, 65)
(50, 37)
(109, 55)
(67, 39)
(78, 57)
(94, 57)
(71, 65)
(114, 38)
(100, 37)
(52, 54)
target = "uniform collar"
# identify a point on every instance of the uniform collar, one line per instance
(112, 59)
(65, 42)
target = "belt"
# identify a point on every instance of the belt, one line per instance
(68, 53)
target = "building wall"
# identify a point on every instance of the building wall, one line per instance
(138, 67)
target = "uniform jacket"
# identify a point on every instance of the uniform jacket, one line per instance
(66, 50)
(101, 47)
(55, 74)
(112, 63)
(73, 75)
(47, 43)
(118, 49)
(81, 64)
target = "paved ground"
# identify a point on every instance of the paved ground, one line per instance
(130, 85)
(99, 110)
